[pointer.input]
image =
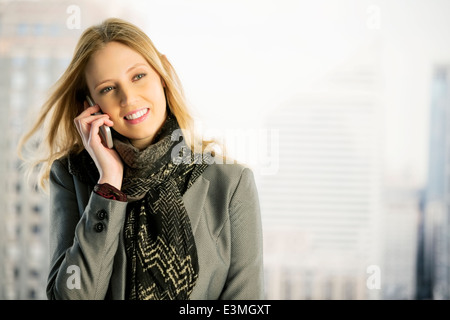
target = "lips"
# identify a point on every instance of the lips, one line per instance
(137, 116)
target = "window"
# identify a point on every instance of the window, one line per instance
(18, 208)
(32, 294)
(35, 228)
(55, 30)
(22, 29)
(34, 273)
(18, 61)
(38, 29)
(36, 208)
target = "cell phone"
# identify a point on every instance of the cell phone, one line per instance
(105, 131)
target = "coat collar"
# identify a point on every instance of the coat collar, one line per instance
(83, 167)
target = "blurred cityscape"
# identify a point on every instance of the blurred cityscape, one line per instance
(334, 227)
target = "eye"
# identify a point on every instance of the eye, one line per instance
(139, 76)
(107, 89)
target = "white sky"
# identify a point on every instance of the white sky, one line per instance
(239, 59)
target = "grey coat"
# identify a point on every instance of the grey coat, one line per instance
(89, 262)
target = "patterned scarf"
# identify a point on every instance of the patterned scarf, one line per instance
(161, 252)
(162, 256)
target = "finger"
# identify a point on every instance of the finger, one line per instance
(83, 130)
(96, 124)
(109, 122)
(89, 110)
(83, 124)
(94, 133)
(88, 119)
(100, 122)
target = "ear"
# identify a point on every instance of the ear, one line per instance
(163, 82)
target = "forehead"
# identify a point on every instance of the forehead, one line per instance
(112, 60)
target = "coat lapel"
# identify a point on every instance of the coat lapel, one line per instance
(194, 200)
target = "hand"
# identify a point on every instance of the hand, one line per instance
(108, 161)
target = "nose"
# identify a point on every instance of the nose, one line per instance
(127, 96)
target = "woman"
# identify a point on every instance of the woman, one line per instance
(149, 218)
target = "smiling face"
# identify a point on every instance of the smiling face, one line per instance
(129, 90)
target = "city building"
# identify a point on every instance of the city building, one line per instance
(37, 39)
(399, 236)
(433, 261)
(323, 208)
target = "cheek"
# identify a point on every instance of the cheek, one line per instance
(155, 92)
(114, 115)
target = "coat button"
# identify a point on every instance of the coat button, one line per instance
(99, 227)
(101, 214)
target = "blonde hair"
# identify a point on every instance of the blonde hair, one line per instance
(56, 120)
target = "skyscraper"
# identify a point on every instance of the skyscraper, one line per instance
(434, 256)
(322, 210)
(35, 46)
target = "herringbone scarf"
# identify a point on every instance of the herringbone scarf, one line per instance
(160, 246)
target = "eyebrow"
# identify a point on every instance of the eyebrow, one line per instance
(139, 64)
